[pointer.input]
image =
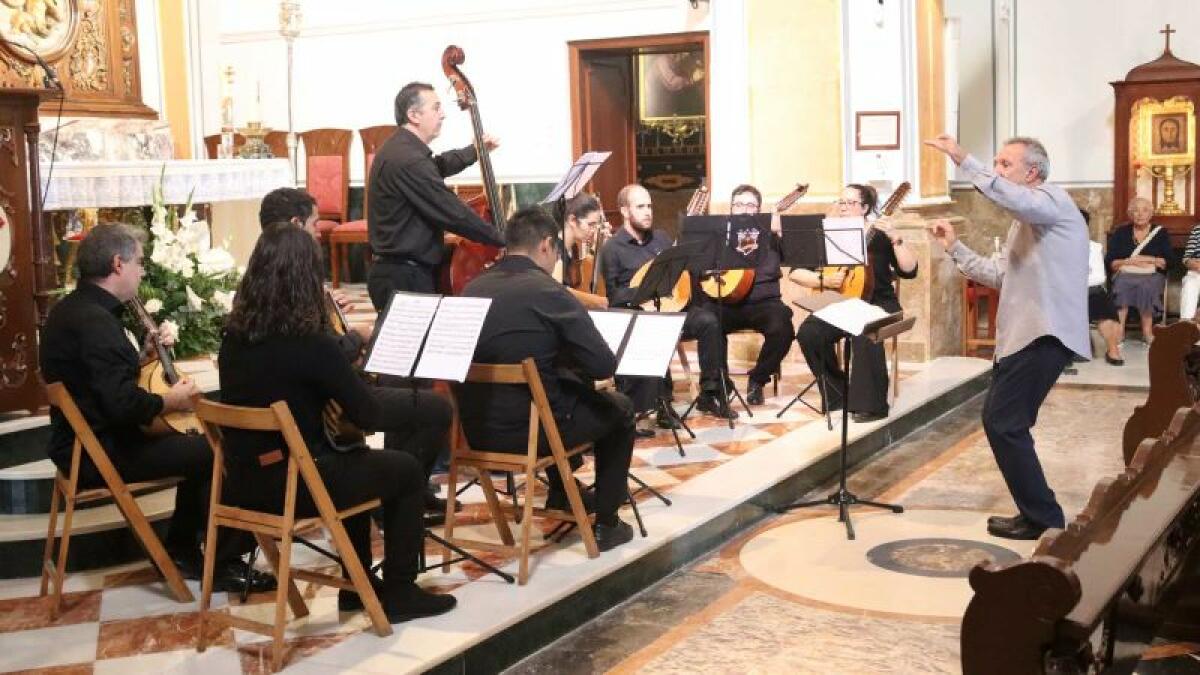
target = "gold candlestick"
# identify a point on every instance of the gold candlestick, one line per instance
(1169, 207)
(255, 147)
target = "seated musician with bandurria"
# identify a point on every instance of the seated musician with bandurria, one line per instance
(763, 310)
(532, 315)
(889, 258)
(278, 347)
(631, 247)
(85, 347)
(417, 422)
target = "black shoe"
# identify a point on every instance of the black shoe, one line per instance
(611, 536)
(410, 601)
(1020, 529)
(754, 394)
(1005, 521)
(234, 577)
(712, 404)
(557, 499)
(1076, 358)
(643, 433)
(863, 418)
(666, 421)
(350, 601)
(189, 563)
(1114, 362)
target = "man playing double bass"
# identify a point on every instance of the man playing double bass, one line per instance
(409, 204)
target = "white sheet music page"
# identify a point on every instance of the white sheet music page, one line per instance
(850, 315)
(452, 338)
(651, 344)
(844, 242)
(399, 340)
(612, 326)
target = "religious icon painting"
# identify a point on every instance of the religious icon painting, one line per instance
(1170, 133)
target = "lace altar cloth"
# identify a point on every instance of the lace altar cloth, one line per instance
(115, 184)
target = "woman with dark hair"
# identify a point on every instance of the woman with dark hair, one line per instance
(889, 257)
(1138, 253)
(278, 346)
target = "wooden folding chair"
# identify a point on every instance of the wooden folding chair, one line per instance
(527, 462)
(66, 493)
(267, 527)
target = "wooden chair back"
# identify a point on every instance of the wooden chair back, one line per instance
(213, 142)
(66, 490)
(277, 142)
(267, 527)
(327, 171)
(372, 139)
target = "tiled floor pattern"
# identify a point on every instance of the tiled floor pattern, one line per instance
(122, 620)
(794, 596)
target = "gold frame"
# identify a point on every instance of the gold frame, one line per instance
(641, 82)
(1145, 112)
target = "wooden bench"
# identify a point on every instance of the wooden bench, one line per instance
(1110, 574)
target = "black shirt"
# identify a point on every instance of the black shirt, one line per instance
(621, 256)
(531, 315)
(766, 272)
(306, 371)
(885, 269)
(411, 207)
(84, 345)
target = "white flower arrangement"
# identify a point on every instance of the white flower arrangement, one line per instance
(189, 283)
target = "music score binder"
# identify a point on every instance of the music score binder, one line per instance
(645, 345)
(427, 336)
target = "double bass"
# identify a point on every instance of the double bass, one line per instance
(471, 258)
(158, 375)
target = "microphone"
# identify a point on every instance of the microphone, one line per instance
(50, 79)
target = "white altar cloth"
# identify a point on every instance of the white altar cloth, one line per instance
(78, 185)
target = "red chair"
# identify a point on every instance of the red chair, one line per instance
(277, 142)
(211, 143)
(973, 295)
(355, 231)
(327, 167)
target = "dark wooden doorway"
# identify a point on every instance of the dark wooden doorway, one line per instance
(605, 113)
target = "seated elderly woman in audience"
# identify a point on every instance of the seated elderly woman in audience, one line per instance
(1138, 254)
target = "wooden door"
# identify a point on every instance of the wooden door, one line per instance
(605, 116)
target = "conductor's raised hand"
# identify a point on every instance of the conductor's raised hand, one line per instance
(941, 230)
(946, 144)
(490, 142)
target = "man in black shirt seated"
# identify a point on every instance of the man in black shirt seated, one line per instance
(762, 311)
(85, 347)
(410, 205)
(631, 247)
(417, 422)
(533, 315)
(278, 346)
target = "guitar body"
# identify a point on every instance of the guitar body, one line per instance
(680, 296)
(153, 379)
(733, 288)
(858, 282)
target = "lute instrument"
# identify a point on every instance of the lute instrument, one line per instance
(470, 258)
(732, 286)
(158, 375)
(340, 431)
(681, 294)
(859, 281)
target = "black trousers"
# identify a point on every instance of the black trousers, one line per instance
(416, 421)
(1020, 383)
(351, 478)
(769, 318)
(603, 418)
(385, 278)
(155, 457)
(702, 326)
(868, 368)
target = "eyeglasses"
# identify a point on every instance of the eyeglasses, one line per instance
(745, 205)
(848, 202)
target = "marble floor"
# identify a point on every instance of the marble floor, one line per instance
(795, 596)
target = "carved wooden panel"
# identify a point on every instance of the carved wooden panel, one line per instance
(91, 44)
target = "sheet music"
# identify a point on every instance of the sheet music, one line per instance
(403, 329)
(844, 241)
(850, 315)
(651, 344)
(612, 326)
(452, 338)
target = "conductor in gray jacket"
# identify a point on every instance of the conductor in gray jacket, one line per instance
(1042, 316)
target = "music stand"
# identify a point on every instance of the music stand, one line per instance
(877, 331)
(803, 246)
(570, 185)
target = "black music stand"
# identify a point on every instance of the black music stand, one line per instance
(660, 280)
(570, 185)
(877, 331)
(719, 238)
(803, 245)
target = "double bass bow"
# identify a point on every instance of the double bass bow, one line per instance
(158, 375)
(471, 258)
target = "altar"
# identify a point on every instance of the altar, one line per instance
(233, 187)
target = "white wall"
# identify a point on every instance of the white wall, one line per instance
(876, 78)
(352, 58)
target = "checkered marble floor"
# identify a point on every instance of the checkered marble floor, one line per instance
(122, 620)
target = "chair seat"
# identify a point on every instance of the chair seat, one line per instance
(353, 232)
(352, 226)
(324, 226)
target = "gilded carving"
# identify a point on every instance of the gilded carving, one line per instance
(13, 371)
(8, 144)
(89, 62)
(44, 26)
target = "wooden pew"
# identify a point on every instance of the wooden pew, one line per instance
(1108, 577)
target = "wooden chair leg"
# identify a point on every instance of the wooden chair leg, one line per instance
(693, 388)
(64, 545)
(358, 576)
(527, 523)
(295, 598)
(150, 542)
(493, 503)
(48, 566)
(451, 505)
(206, 581)
(283, 596)
(335, 264)
(895, 367)
(577, 508)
